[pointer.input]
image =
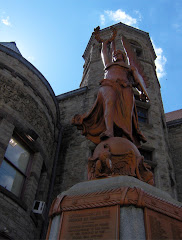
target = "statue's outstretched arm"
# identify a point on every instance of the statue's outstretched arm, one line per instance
(135, 76)
(138, 80)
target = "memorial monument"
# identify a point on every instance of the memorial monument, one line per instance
(119, 200)
(112, 123)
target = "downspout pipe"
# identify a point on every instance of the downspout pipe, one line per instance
(51, 186)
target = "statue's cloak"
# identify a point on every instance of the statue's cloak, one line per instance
(124, 114)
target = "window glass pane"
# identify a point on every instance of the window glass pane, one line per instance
(147, 154)
(142, 112)
(140, 119)
(17, 154)
(10, 178)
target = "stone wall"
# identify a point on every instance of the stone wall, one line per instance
(75, 149)
(27, 106)
(175, 142)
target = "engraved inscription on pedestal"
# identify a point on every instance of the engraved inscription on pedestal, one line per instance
(91, 224)
(160, 226)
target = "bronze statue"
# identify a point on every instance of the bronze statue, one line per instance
(112, 123)
(114, 112)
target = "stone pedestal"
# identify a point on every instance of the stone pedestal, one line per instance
(115, 208)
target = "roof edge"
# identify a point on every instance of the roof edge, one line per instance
(6, 44)
(117, 24)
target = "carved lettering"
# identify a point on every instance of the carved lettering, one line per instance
(160, 226)
(97, 223)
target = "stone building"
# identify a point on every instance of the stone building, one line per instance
(174, 125)
(43, 154)
(29, 142)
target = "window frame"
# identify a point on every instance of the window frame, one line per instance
(147, 151)
(151, 161)
(145, 111)
(25, 174)
(145, 106)
(137, 48)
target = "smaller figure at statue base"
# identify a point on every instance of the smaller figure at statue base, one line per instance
(118, 156)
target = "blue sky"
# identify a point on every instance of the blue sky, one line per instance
(53, 34)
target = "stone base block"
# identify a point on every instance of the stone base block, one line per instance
(117, 208)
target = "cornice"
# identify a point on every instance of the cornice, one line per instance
(124, 196)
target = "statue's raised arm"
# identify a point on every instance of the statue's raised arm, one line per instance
(104, 53)
(105, 43)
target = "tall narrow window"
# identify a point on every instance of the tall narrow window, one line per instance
(142, 114)
(13, 170)
(147, 154)
(137, 48)
(148, 158)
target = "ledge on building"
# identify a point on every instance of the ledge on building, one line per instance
(13, 197)
(73, 93)
(174, 118)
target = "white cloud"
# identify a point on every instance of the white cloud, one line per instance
(120, 16)
(6, 21)
(160, 61)
(177, 27)
(139, 15)
(102, 19)
(31, 59)
(7, 181)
